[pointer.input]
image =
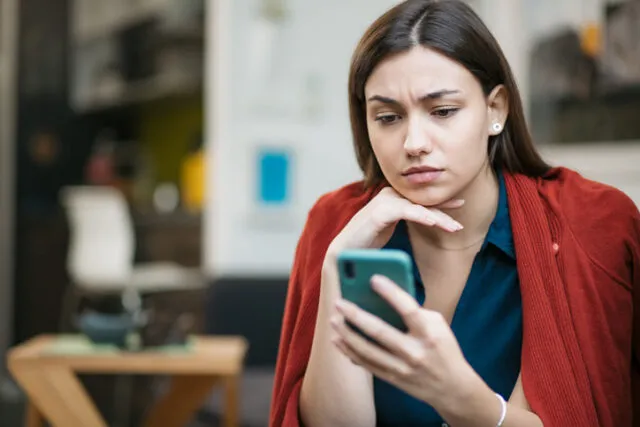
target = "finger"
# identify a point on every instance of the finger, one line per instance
(401, 301)
(351, 355)
(381, 332)
(445, 217)
(432, 211)
(426, 216)
(394, 208)
(367, 354)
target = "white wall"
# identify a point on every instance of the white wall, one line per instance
(507, 20)
(240, 237)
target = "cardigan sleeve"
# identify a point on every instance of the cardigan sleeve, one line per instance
(299, 319)
(326, 219)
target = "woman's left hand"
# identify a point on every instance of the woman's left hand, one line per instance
(426, 362)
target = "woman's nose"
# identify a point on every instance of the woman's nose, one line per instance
(417, 141)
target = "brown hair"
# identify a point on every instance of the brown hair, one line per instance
(453, 29)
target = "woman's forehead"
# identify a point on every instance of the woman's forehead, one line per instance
(420, 69)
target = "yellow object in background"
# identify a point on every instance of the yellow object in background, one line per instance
(167, 132)
(591, 39)
(167, 129)
(192, 181)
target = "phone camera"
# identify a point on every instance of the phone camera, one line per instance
(349, 269)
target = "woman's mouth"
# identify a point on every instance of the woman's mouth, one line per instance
(422, 174)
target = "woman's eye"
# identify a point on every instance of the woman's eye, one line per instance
(388, 119)
(445, 112)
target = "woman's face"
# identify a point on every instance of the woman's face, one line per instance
(429, 123)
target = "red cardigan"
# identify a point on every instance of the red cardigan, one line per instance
(577, 246)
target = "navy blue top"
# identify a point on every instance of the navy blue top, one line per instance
(487, 322)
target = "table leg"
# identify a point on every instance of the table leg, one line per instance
(231, 404)
(185, 396)
(33, 417)
(58, 394)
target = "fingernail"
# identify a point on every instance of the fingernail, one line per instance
(456, 226)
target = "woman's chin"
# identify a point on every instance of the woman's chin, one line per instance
(427, 196)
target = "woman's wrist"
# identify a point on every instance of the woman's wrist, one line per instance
(470, 402)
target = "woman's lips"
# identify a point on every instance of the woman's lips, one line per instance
(422, 176)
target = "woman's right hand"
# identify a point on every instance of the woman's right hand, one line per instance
(371, 227)
(374, 224)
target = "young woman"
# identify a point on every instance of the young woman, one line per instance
(528, 276)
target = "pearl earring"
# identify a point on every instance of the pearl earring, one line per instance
(497, 127)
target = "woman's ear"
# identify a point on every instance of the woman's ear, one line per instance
(497, 109)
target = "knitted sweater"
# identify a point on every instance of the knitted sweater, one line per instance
(577, 246)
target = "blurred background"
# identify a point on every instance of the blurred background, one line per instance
(200, 132)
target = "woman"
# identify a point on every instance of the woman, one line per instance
(527, 275)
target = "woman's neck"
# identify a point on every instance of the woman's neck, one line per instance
(476, 215)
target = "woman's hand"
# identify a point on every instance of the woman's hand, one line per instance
(426, 362)
(334, 391)
(373, 225)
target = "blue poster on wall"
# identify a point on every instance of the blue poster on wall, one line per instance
(274, 176)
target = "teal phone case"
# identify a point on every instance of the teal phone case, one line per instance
(357, 266)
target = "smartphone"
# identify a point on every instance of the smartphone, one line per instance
(357, 266)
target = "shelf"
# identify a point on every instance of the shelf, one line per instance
(615, 2)
(111, 25)
(193, 36)
(138, 93)
(106, 55)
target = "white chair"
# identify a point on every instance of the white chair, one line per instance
(101, 251)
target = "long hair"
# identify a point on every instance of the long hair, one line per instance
(453, 29)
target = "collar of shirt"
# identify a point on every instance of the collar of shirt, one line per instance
(500, 234)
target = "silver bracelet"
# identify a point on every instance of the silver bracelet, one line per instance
(503, 415)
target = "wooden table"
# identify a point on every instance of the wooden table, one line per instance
(55, 393)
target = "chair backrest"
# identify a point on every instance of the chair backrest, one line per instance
(102, 241)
